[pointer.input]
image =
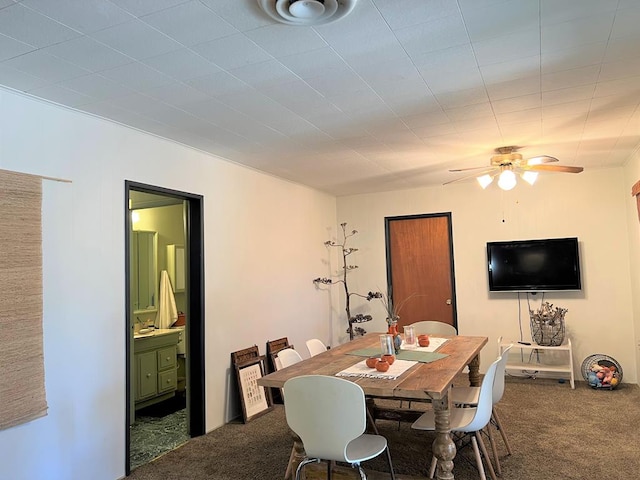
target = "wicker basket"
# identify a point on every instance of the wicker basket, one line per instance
(547, 332)
(588, 371)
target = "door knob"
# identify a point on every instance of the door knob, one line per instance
(448, 302)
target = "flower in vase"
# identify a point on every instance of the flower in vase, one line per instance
(392, 309)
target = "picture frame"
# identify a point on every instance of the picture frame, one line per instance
(273, 348)
(255, 399)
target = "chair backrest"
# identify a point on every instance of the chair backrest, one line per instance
(315, 346)
(288, 356)
(498, 383)
(485, 400)
(326, 412)
(433, 327)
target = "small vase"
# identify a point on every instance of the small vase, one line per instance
(397, 340)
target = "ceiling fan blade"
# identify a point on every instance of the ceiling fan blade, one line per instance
(554, 168)
(474, 175)
(540, 159)
(467, 169)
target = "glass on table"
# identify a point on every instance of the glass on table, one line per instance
(386, 345)
(409, 337)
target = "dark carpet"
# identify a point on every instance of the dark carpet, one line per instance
(554, 431)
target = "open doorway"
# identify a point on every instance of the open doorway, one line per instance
(165, 320)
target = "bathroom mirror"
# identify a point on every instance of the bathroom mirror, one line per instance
(144, 271)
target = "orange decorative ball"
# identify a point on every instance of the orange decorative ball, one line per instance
(389, 358)
(382, 366)
(372, 362)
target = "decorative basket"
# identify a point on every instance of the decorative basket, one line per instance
(547, 325)
(601, 371)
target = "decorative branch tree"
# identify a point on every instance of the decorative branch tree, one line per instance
(346, 251)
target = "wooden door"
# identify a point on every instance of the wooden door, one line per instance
(420, 267)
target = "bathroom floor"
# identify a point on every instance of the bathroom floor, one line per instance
(157, 430)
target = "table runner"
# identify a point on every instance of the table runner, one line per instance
(418, 354)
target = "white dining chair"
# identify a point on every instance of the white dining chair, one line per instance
(329, 416)
(315, 346)
(469, 396)
(433, 327)
(288, 357)
(468, 422)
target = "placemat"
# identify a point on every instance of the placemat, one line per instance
(360, 369)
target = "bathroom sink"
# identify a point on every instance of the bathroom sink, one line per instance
(153, 332)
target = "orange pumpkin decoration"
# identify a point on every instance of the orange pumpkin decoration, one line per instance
(423, 340)
(372, 362)
(382, 366)
(389, 358)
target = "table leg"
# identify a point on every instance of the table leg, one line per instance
(297, 455)
(474, 371)
(443, 447)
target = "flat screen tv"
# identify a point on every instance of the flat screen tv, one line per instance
(534, 265)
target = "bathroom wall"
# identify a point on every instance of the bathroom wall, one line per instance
(168, 221)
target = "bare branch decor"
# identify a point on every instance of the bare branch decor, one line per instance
(346, 267)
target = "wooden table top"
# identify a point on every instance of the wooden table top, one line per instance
(422, 381)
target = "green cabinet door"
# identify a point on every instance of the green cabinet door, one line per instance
(147, 375)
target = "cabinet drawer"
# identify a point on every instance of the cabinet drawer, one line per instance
(167, 357)
(167, 381)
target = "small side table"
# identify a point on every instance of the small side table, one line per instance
(540, 367)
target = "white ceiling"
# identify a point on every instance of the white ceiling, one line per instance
(389, 97)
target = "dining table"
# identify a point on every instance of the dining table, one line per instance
(428, 378)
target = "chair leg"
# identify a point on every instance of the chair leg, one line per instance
(302, 464)
(362, 475)
(494, 448)
(372, 421)
(393, 475)
(498, 424)
(476, 452)
(432, 468)
(492, 473)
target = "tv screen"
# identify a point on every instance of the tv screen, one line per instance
(534, 265)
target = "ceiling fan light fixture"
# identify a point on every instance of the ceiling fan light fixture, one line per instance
(485, 180)
(529, 177)
(507, 180)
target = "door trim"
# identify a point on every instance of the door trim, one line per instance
(195, 282)
(388, 220)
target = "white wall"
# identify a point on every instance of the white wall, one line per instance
(632, 175)
(263, 246)
(592, 206)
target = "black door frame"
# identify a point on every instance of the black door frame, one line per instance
(447, 215)
(194, 258)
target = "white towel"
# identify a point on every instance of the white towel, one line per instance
(167, 311)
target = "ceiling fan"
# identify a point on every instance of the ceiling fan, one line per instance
(507, 162)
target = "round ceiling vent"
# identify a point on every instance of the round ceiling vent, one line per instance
(307, 12)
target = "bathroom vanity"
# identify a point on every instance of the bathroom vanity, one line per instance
(156, 366)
